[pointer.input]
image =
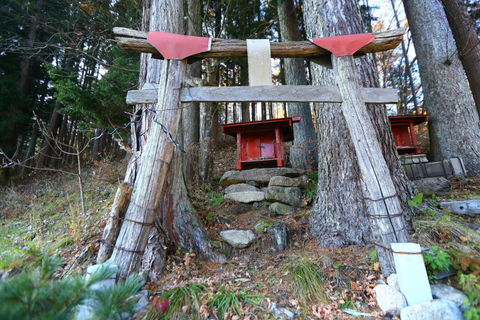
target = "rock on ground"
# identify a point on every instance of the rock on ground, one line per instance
(281, 209)
(431, 185)
(289, 195)
(443, 291)
(237, 238)
(390, 299)
(432, 310)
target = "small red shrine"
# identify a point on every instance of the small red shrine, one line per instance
(404, 132)
(260, 143)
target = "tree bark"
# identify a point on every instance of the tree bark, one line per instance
(159, 195)
(468, 44)
(340, 213)
(453, 119)
(303, 152)
(191, 111)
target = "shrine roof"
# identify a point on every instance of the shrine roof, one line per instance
(284, 124)
(417, 119)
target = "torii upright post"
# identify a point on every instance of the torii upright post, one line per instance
(385, 211)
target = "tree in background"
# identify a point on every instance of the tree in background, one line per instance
(303, 152)
(339, 213)
(61, 66)
(453, 119)
(468, 45)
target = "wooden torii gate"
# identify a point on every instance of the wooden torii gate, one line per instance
(384, 208)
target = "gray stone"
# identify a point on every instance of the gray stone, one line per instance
(281, 181)
(443, 291)
(392, 280)
(462, 207)
(261, 176)
(432, 185)
(277, 231)
(246, 197)
(288, 195)
(432, 310)
(390, 299)
(237, 238)
(253, 183)
(281, 209)
(241, 187)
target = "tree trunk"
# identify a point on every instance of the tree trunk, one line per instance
(205, 159)
(468, 44)
(453, 119)
(340, 214)
(49, 148)
(191, 111)
(303, 153)
(159, 194)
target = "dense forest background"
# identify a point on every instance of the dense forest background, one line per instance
(64, 80)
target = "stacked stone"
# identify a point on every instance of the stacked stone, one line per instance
(281, 186)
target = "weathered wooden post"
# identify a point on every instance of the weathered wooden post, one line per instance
(150, 180)
(387, 221)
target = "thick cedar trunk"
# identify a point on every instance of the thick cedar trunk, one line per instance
(340, 212)
(303, 153)
(159, 196)
(453, 119)
(468, 44)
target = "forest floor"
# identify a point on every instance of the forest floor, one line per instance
(42, 213)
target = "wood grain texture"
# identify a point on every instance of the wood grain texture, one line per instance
(381, 197)
(136, 41)
(329, 94)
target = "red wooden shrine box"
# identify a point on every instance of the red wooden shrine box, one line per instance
(260, 143)
(404, 132)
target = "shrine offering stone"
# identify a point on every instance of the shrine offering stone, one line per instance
(290, 195)
(262, 176)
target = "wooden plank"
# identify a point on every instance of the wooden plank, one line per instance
(259, 62)
(381, 199)
(265, 94)
(136, 41)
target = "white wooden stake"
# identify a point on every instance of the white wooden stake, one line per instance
(412, 275)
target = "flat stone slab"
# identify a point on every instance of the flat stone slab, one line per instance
(281, 181)
(462, 207)
(241, 187)
(246, 196)
(262, 175)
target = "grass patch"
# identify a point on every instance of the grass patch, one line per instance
(179, 297)
(306, 281)
(231, 300)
